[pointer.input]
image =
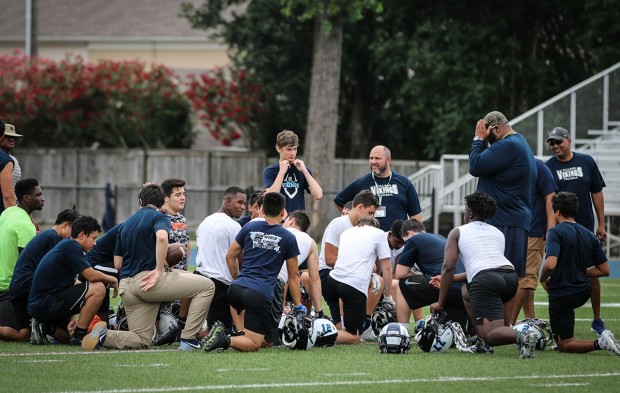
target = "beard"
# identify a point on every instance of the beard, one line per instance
(378, 170)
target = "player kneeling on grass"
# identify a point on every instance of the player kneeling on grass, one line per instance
(361, 247)
(491, 278)
(56, 296)
(265, 246)
(574, 255)
(140, 256)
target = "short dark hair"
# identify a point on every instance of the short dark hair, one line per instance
(411, 225)
(254, 197)
(2, 125)
(482, 205)
(86, 224)
(273, 204)
(301, 219)
(25, 187)
(566, 202)
(152, 194)
(366, 198)
(396, 227)
(233, 191)
(348, 205)
(368, 220)
(67, 215)
(169, 184)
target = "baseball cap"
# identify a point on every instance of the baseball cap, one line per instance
(9, 130)
(494, 118)
(558, 133)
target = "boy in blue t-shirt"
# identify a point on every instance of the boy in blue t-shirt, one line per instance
(574, 255)
(266, 246)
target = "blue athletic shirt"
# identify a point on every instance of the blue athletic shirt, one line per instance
(427, 251)
(576, 249)
(136, 241)
(397, 194)
(506, 172)
(265, 248)
(293, 185)
(28, 260)
(581, 176)
(56, 272)
(103, 252)
(545, 185)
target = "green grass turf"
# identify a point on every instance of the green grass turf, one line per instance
(56, 368)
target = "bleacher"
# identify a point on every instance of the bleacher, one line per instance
(590, 111)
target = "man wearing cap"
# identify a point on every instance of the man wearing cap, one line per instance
(578, 173)
(506, 172)
(7, 193)
(7, 144)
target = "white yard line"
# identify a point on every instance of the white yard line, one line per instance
(345, 383)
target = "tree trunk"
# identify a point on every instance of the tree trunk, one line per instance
(320, 144)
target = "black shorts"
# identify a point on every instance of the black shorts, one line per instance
(562, 313)
(257, 308)
(516, 247)
(419, 293)
(10, 312)
(67, 303)
(488, 291)
(334, 306)
(277, 304)
(353, 305)
(220, 308)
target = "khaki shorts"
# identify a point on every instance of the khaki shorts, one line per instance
(535, 255)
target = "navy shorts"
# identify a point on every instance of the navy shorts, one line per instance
(488, 291)
(562, 313)
(220, 308)
(258, 316)
(66, 304)
(516, 247)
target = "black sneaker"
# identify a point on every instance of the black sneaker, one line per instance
(37, 333)
(96, 337)
(216, 339)
(74, 342)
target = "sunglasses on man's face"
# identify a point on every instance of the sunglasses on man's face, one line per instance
(554, 142)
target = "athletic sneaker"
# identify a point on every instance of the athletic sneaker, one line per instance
(74, 342)
(527, 344)
(189, 345)
(368, 335)
(607, 341)
(217, 338)
(598, 326)
(96, 337)
(37, 335)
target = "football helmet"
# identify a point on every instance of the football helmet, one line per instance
(303, 332)
(437, 334)
(167, 328)
(384, 313)
(394, 338)
(541, 328)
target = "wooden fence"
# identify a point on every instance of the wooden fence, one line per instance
(79, 177)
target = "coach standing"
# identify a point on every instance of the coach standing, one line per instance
(507, 173)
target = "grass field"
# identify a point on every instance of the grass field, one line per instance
(56, 368)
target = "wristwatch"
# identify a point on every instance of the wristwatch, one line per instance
(477, 138)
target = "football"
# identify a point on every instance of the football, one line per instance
(176, 252)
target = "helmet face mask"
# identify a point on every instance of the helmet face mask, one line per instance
(394, 338)
(437, 335)
(384, 314)
(304, 332)
(541, 329)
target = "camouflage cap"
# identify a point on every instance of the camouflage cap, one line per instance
(558, 133)
(494, 118)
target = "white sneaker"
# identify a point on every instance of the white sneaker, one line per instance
(608, 342)
(369, 335)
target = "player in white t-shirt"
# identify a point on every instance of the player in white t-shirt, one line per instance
(491, 278)
(214, 236)
(361, 247)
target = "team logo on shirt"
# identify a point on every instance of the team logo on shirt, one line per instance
(569, 173)
(265, 241)
(290, 182)
(384, 190)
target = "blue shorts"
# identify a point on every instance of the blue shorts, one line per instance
(516, 247)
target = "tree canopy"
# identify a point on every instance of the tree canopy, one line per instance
(417, 75)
